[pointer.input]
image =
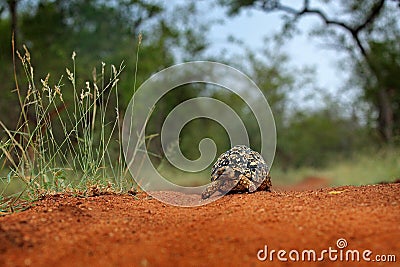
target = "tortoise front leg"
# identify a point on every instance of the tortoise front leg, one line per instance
(238, 185)
(246, 184)
(211, 189)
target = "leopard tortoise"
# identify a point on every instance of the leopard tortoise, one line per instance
(239, 169)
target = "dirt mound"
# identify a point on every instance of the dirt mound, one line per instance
(137, 230)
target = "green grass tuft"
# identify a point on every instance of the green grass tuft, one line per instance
(61, 145)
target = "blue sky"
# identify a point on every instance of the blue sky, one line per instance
(253, 26)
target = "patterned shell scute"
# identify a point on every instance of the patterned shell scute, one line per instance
(244, 161)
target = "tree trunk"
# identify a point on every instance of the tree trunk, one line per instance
(385, 118)
(384, 104)
(12, 5)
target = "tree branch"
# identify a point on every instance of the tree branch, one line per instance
(325, 18)
(375, 11)
(271, 5)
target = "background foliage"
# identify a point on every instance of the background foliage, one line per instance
(313, 137)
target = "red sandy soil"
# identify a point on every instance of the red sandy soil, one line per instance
(124, 230)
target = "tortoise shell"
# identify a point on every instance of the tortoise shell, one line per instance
(239, 169)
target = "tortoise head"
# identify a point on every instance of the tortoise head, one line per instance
(223, 173)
